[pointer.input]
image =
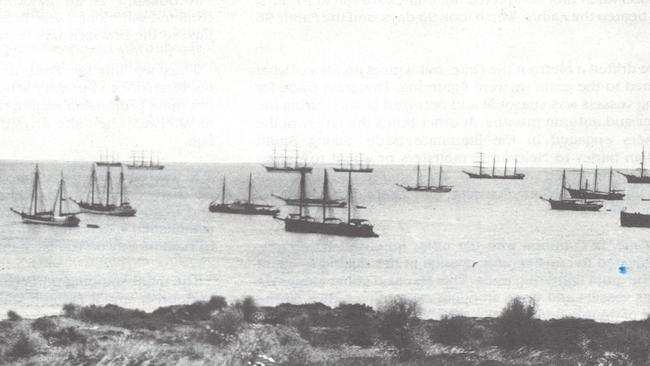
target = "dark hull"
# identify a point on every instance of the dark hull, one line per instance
(432, 189)
(347, 170)
(49, 219)
(110, 210)
(338, 228)
(243, 210)
(635, 179)
(517, 176)
(313, 202)
(585, 194)
(634, 219)
(571, 205)
(145, 167)
(305, 169)
(106, 163)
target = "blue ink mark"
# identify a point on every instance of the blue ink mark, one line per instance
(622, 269)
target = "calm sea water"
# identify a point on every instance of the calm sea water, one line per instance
(175, 251)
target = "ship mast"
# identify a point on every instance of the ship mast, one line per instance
(223, 191)
(480, 163)
(93, 179)
(440, 177)
(250, 186)
(505, 168)
(429, 177)
(302, 192)
(325, 195)
(515, 173)
(61, 195)
(610, 179)
(596, 179)
(34, 203)
(121, 186)
(417, 177)
(108, 185)
(642, 160)
(580, 182)
(563, 183)
(350, 195)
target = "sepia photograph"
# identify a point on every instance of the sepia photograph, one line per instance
(325, 182)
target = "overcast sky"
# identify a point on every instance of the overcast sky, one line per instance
(553, 83)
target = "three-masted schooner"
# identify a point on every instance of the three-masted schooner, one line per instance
(104, 160)
(638, 179)
(482, 175)
(428, 188)
(94, 205)
(37, 213)
(586, 193)
(285, 167)
(142, 164)
(572, 204)
(243, 207)
(352, 168)
(301, 222)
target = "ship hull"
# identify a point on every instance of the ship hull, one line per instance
(517, 176)
(274, 169)
(634, 220)
(440, 189)
(570, 205)
(243, 210)
(145, 167)
(585, 194)
(635, 179)
(347, 170)
(104, 163)
(49, 219)
(110, 210)
(339, 228)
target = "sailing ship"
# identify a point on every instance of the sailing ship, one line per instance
(104, 160)
(243, 207)
(285, 167)
(428, 188)
(37, 213)
(638, 179)
(586, 193)
(351, 168)
(303, 223)
(95, 206)
(482, 175)
(572, 204)
(141, 164)
(635, 219)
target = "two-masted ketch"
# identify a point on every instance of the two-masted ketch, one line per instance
(586, 193)
(482, 175)
(572, 204)
(242, 207)
(142, 164)
(302, 222)
(352, 168)
(37, 214)
(638, 179)
(428, 188)
(285, 167)
(94, 205)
